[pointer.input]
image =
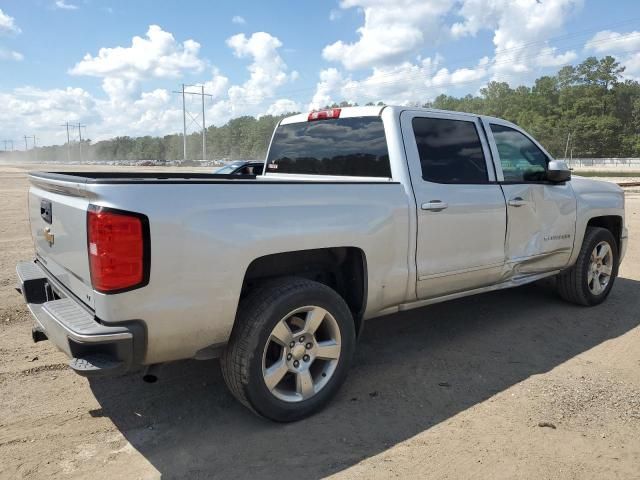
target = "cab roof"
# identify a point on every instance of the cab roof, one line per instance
(375, 111)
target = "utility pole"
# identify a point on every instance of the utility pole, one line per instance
(184, 128)
(5, 144)
(204, 129)
(193, 119)
(566, 148)
(68, 143)
(80, 142)
(26, 145)
(79, 126)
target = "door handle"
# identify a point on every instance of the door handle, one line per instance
(434, 205)
(517, 202)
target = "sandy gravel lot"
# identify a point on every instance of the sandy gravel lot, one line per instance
(455, 390)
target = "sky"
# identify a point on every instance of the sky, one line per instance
(113, 65)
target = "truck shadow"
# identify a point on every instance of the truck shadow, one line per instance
(412, 371)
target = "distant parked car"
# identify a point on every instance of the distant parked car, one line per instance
(241, 167)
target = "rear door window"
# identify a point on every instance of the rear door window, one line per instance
(450, 151)
(343, 146)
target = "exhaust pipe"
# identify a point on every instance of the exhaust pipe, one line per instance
(151, 373)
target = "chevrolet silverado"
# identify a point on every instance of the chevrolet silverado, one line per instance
(360, 212)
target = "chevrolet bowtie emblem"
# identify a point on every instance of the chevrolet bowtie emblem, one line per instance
(48, 236)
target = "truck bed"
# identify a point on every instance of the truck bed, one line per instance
(205, 230)
(139, 177)
(192, 178)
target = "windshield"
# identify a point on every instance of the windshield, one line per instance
(226, 169)
(345, 146)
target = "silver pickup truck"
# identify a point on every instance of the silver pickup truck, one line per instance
(360, 212)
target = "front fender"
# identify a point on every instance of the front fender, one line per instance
(595, 198)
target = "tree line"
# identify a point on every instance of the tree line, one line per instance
(588, 104)
(588, 107)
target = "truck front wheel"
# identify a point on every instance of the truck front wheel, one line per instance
(590, 280)
(290, 349)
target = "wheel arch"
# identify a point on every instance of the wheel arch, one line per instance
(613, 223)
(344, 269)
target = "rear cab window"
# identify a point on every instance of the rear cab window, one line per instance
(352, 146)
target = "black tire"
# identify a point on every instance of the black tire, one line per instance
(257, 315)
(573, 284)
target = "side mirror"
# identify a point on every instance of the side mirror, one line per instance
(558, 171)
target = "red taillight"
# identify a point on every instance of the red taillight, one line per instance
(324, 114)
(118, 249)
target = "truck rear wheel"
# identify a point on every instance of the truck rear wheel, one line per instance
(590, 280)
(290, 349)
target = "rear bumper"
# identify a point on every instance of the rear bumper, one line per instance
(95, 349)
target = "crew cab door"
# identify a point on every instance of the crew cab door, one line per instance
(541, 215)
(461, 218)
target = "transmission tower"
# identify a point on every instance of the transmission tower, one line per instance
(26, 145)
(193, 119)
(79, 126)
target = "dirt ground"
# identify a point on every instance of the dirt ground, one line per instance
(456, 390)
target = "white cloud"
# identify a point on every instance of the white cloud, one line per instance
(10, 55)
(444, 78)
(518, 27)
(625, 46)
(282, 106)
(156, 56)
(30, 109)
(267, 70)
(331, 82)
(549, 58)
(403, 84)
(392, 29)
(8, 24)
(607, 41)
(632, 64)
(152, 113)
(127, 109)
(238, 20)
(42, 112)
(124, 69)
(62, 5)
(218, 84)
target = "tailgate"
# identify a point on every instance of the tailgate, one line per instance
(58, 218)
